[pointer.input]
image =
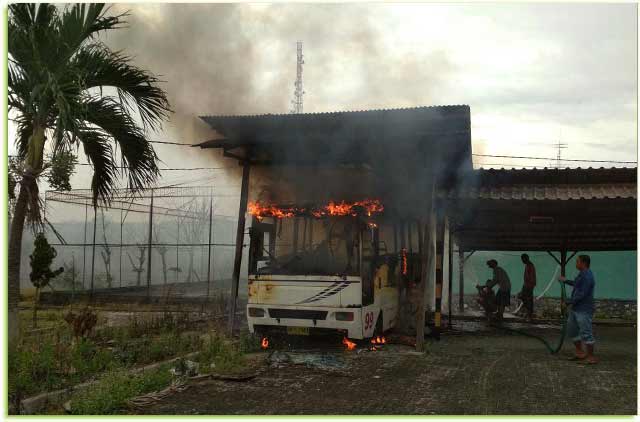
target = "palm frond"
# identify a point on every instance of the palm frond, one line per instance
(138, 156)
(137, 88)
(97, 148)
(83, 21)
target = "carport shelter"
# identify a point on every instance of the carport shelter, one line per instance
(559, 211)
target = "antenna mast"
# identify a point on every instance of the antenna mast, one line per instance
(560, 146)
(299, 92)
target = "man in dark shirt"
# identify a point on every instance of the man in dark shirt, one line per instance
(581, 310)
(500, 277)
(529, 284)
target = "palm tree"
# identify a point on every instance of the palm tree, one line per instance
(67, 89)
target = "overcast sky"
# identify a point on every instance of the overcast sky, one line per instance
(533, 75)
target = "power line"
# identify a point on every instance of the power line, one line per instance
(170, 143)
(161, 169)
(555, 158)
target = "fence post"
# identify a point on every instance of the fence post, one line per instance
(150, 239)
(93, 249)
(120, 260)
(84, 244)
(209, 248)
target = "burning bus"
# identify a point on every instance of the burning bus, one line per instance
(326, 268)
(343, 215)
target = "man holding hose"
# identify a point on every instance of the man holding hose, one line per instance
(580, 310)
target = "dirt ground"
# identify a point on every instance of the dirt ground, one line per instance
(473, 372)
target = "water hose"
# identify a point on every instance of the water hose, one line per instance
(563, 330)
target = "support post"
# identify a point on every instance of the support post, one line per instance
(424, 273)
(73, 278)
(93, 249)
(120, 260)
(563, 262)
(235, 280)
(84, 244)
(209, 250)
(178, 251)
(461, 261)
(439, 271)
(149, 242)
(450, 267)
(424, 262)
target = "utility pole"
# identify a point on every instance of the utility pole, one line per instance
(560, 147)
(299, 92)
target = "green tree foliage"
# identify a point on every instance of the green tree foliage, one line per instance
(68, 89)
(41, 274)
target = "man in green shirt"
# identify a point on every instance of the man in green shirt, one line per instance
(500, 277)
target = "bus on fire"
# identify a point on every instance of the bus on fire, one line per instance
(322, 269)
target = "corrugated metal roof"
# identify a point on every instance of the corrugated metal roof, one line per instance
(335, 113)
(548, 184)
(548, 192)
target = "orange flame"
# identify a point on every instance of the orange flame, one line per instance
(350, 345)
(265, 343)
(368, 206)
(378, 340)
(404, 261)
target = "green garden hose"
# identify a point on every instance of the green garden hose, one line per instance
(563, 330)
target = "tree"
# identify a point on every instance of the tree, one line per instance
(138, 269)
(67, 89)
(162, 251)
(41, 274)
(106, 252)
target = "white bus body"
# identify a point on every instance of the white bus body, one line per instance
(359, 303)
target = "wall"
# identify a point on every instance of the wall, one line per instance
(615, 272)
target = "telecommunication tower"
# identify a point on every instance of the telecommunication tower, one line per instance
(299, 92)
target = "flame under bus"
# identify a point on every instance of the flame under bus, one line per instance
(322, 269)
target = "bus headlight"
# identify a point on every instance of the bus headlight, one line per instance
(256, 312)
(344, 316)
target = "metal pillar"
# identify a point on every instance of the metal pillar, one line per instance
(450, 267)
(120, 260)
(563, 262)
(93, 249)
(149, 242)
(178, 251)
(439, 273)
(84, 244)
(461, 279)
(235, 280)
(73, 278)
(424, 261)
(209, 246)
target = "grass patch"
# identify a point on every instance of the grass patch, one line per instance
(110, 394)
(249, 343)
(53, 361)
(220, 355)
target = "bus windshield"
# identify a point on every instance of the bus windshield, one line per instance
(304, 245)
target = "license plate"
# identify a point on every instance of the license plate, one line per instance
(298, 331)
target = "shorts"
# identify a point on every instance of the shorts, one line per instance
(579, 327)
(503, 297)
